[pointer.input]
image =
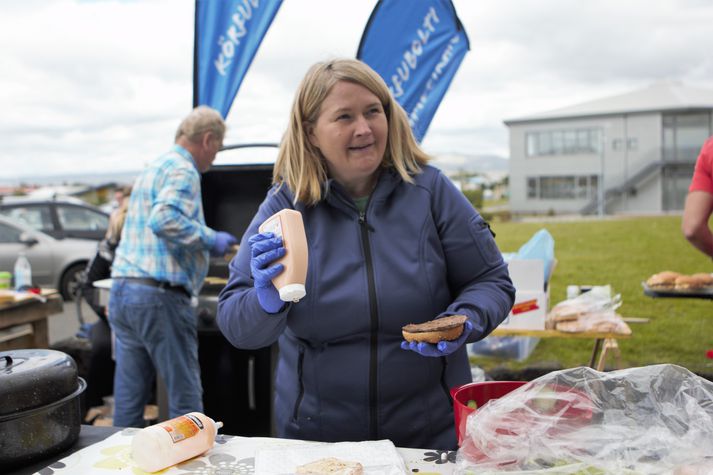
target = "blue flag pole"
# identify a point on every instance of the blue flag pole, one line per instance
(416, 47)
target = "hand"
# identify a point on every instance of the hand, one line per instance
(264, 249)
(443, 347)
(222, 243)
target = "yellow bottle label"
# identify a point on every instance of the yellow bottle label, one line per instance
(182, 427)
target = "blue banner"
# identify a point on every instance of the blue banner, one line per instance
(416, 47)
(227, 36)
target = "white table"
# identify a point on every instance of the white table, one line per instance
(233, 454)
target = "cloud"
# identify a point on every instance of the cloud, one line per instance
(102, 85)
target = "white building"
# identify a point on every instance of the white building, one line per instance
(644, 144)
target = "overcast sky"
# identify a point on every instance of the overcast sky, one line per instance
(101, 85)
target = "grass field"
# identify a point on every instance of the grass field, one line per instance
(622, 252)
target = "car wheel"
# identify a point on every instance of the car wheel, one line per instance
(71, 280)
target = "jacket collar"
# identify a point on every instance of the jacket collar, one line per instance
(335, 194)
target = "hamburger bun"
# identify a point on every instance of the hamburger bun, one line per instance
(433, 331)
(663, 280)
(691, 282)
(706, 279)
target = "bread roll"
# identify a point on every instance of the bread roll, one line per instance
(705, 279)
(330, 466)
(665, 280)
(691, 282)
(433, 331)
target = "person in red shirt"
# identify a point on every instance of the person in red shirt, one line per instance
(699, 203)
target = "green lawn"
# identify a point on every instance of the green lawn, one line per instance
(622, 253)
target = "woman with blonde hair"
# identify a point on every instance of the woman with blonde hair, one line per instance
(300, 164)
(391, 242)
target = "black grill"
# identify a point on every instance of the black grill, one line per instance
(237, 384)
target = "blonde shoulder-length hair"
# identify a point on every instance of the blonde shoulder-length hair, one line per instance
(300, 165)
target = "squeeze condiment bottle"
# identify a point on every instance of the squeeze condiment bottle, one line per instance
(288, 224)
(170, 442)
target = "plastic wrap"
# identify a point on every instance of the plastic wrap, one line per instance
(598, 299)
(512, 347)
(650, 420)
(592, 311)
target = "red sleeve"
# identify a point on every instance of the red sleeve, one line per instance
(703, 173)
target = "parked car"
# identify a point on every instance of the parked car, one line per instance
(56, 263)
(61, 217)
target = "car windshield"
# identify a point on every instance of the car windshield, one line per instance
(37, 217)
(247, 154)
(81, 219)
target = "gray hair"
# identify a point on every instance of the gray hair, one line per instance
(201, 119)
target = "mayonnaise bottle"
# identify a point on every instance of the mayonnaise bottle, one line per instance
(288, 224)
(170, 442)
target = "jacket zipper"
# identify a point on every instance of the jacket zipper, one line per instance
(444, 385)
(300, 394)
(373, 312)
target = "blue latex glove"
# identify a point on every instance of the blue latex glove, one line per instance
(222, 243)
(264, 249)
(85, 330)
(443, 347)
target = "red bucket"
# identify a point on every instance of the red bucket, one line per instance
(481, 393)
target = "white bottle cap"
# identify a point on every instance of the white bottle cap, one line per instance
(292, 292)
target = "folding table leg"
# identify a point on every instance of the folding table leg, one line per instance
(595, 352)
(609, 344)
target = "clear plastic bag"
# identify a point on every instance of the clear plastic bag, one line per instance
(513, 347)
(650, 420)
(599, 299)
(592, 311)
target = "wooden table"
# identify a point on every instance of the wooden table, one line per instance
(25, 319)
(603, 342)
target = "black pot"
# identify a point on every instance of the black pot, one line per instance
(39, 405)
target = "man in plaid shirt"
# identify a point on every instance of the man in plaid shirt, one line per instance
(160, 264)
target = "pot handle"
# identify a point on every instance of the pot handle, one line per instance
(8, 361)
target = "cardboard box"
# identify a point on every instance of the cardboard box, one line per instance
(532, 296)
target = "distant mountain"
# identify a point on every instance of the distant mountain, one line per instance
(449, 163)
(122, 178)
(452, 163)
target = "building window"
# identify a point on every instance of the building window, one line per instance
(532, 187)
(676, 180)
(632, 144)
(563, 142)
(557, 187)
(581, 187)
(683, 135)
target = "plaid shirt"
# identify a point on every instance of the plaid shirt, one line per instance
(165, 237)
